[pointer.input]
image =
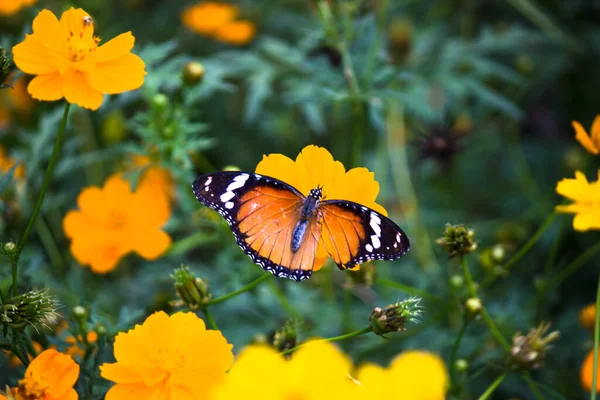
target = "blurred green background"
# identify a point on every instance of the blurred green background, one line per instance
(461, 108)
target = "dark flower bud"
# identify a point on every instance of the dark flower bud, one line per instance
(529, 351)
(394, 317)
(458, 240)
(286, 336)
(30, 308)
(192, 73)
(192, 291)
(5, 68)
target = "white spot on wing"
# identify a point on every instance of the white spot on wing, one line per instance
(369, 247)
(398, 237)
(229, 205)
(375, 224)
(227, 196)
(376, 242)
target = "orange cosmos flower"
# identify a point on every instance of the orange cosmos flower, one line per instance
(155, 179)
(315, 166)
(68, 62)
(218, 20)
(168, 357)
(113, 221)
(417, 375)
(10, 7)
(587, 373)
(50, 376)
(586, 197)
(590, 142)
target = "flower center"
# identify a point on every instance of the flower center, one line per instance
(31, 388)
(83, 42)
(168, 362)
(117, 219)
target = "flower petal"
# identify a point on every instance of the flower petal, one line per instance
(357, 185)
(47, 87)
(582, 137)
(281, 167)
(115, 48)
(120, 373)
(236, 32)
(72, 22)
(587, 372)
(32, 57)
(77, 90)
(71, 394)
(150, 244)
(47, 29)
(118, 75)
(205, 18)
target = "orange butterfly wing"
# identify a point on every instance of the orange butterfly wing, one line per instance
(353, 234)
(262, 213)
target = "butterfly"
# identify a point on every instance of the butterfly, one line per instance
(280, 228)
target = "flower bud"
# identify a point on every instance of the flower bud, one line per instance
(231, 168)
(113, 129)
(458, 240)
(400, 39)
(463, 124)
(461, 365)
(529, 351)
(587, 317)
(456, 281)
(192, 73)
(160, 103)
(192, 291)
(524, 64)
(80, 314)
(9, 248)
(5, 68)
(394, 317)
(101, 330)
(473, 305)
(32, 307)
(286, 336)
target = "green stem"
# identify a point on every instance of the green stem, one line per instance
(484, 314)
(335, 338)
(408, 289)
(454, 351)
(525, 249)
(574, 266)
(184, 245)
(468, 278)
(533, 386)
(210, 319)
(486, 395)
(40, 200)
(596, 341)
(249, 286)
(376, 44)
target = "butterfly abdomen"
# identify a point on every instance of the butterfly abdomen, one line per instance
(309, 209)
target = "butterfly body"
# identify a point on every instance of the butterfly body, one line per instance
(281, 229)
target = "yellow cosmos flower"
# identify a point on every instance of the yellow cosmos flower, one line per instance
(586, 197)
(113, 221)
(68, 62)
(317, 371)
(590, 142)
(217, 20)
(10, 7)
(168, 358)
(587, 373)
(6, 163)
(50, 376)
(315, 166)
(587, 316)
(417, 375)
